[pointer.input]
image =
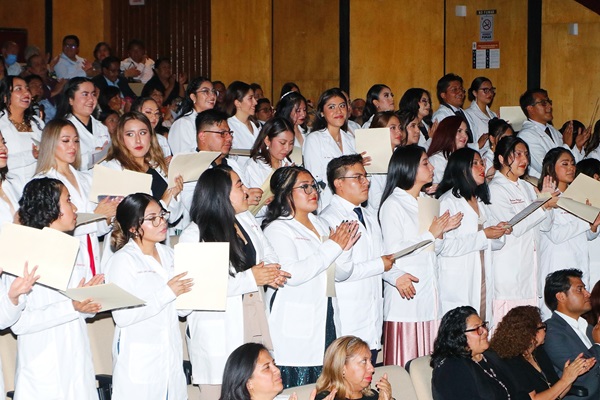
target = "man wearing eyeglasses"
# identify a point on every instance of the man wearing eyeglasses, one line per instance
(70, 65)
(568, 334)
(111, 77)
(358, 303)
(540, 135)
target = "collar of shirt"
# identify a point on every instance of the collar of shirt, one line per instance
(111, 83)
(67, 59)
(346, 205)
(539, 126)
(579, 325)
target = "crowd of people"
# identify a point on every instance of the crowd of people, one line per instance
(314, 279)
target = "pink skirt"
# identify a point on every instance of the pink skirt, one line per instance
(404, 341)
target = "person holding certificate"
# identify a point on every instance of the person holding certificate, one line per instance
(54, 359)
(220, 214)
(147, 348)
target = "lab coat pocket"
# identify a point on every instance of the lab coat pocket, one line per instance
(141, 356)
(213, 337)
(299, 320)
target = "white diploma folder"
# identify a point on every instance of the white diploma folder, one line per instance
(410, 249)
(376, 142)
(514, 116)
(208, 265)
(584, 188)
(109, 296)
(240, 152)
(583, 211)
(53, 252)
(190, 165)
(530, 209)
(98, 156)
(87, 218)
(428, 209)
(112, 182)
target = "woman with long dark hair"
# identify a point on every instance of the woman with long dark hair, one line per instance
(481, 95)
(418, 101)
(292, 106)
(379, 98)
(241, 104)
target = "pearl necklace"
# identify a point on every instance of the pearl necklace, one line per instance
(492, 374)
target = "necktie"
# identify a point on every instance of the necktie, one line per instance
(91, 255)
(547, 130)
(424, 131)
(359, 213)
(461, 114)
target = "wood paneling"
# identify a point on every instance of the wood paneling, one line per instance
(306, 46)
(85, 20)
(241, 42)
(510, 29)
(25, 14)
(395, 42)
(177, 29)
(570, 64)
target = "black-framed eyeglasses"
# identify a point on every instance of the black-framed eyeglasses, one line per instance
(544, 103)
(488, 90)
(207, 91)
(480, 330)
(360, 178)
(222, 133)
(71, 46)
(308, 189)
(156, 219)
(543, 326)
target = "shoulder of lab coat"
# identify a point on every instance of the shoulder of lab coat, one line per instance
(182, 135)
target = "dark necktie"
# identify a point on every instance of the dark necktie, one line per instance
(461, 114)
(424, 131)
(359, 212)
(547, 130)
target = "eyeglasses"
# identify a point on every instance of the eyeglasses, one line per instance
(456, 90)
(481, 329)
(360, 178)
(71, 46)
(206, 91)
(222, 133)
(308, 189)
(267, 109)
(544, 102)
(488, 90)
(157, 219)
(542, 326)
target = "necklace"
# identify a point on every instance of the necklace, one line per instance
(492, 374)
(537, 367)
(21, 126)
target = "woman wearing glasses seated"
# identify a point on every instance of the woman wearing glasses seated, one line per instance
(481, 94)
(301, 317)
(519, 340)
(462, 368)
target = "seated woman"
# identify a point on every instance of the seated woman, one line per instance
(149, 107)
(292, 106)
(164, 80)
(418, 101)
(347, 370)
(497, 129)
(461, 369)
(450, 135)
(54, 359)
(110, 99)
(147, 348)
(519, 340)
(379, 98)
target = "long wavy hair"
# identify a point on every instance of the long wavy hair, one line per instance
(517, 331)
(451, 341)
(50, 139)
(6, 89)
(444, 140)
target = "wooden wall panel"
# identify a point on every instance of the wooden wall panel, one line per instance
(395, 42)
(510, 30)
(570, 64)
(87, 21)
(241, 42)
(306, 46)
(25, 14)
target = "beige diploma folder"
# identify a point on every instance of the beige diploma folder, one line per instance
(410, 249)
(296, 156)
(190, 165)
(428, 209)
(584, 188)
(514, 116)
(53, 252)
(240, 152)
(87, 218)
(583, 211)
(376, 142)
(208, 265)
(267, 194)
(112, 182)
(98, 156)
(109, 296)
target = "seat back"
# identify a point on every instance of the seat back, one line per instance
(402, 387)
(420, 374)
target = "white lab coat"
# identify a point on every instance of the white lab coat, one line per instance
(213, 336)
(445, 111)
(376, 189)
(182, 135)
(479, 121)
(147, 348)
(80, 199)
(242, 137)
(21, 163)
(514, 267)
(353, 126)
(594, 154)
(163, 142)
(399, 218)
(146, 68)
(9, 314)
(358, 305)
(299, 311)
(6, 214)
(320, 148)
(439, 163)
(459, 257)
(533, 133)
(54, 359)
(89, 142)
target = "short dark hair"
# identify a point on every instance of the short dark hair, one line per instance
(338, 167)
(40, 204)
(71, 37)
(255, 86)
(527, 99)
(451, 341)
(209, 117)
(505, 147)
(589, 167)
(558, 282)
(238, 370)
(444, 83)
(135, 42)
(264, 100)
(109, 60)
(497, 127)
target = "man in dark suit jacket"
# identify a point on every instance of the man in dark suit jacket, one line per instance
(110, 77)
(568, 334)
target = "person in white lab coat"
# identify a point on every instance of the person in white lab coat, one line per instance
(565, 243)
(379, 98)
(592, 147)
(301, 319)
(465, 253)
(149, 107)
(418, 101)
(77, 104)
(411, 309)
(515, 271)
(9, 197)
(591, 168)
(200, 95)
(327, 140)
(59, 158)
(497, 129)
(358, 304)
(540, 135)
(220, 214)
(292, 106)
(147, 348)
(21, 130)
(450, 135)
(241, 104)
(481, 95)
(54, 359)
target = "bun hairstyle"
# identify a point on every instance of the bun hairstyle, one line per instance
(129, 219)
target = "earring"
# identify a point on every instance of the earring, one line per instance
(267, 147)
